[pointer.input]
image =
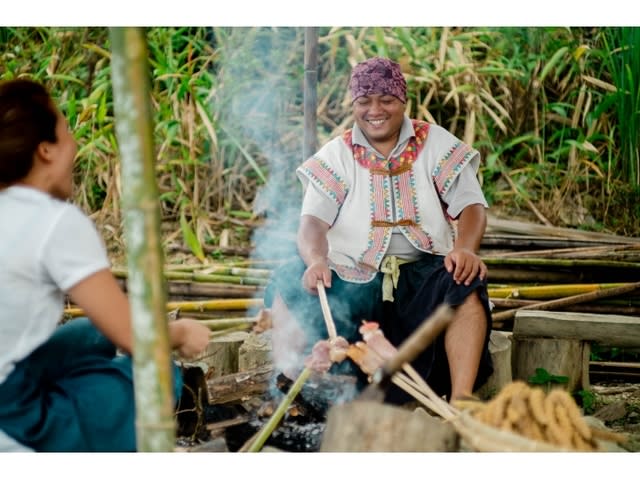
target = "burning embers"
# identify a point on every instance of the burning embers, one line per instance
(303, 425)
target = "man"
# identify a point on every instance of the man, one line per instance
(391, 222)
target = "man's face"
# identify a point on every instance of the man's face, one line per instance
(380, 117)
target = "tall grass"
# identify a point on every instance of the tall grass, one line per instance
(554, 112)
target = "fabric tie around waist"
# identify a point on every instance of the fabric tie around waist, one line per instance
(390, 266)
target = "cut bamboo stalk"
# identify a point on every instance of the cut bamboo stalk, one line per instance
(572, 300)
(213, 290)
(233, 276)
(326, 311)
(223, 323)
(222, 304)
(271, 425)
(511, 226)
(550, 291)
(195, 306)
(576, 252)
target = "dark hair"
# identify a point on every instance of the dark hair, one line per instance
(28, 117)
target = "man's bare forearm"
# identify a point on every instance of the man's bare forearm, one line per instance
(472, 224)
(312, 240)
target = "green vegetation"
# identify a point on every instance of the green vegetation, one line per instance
(546, 379)
(554, 112)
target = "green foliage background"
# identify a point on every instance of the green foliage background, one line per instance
(554, 112)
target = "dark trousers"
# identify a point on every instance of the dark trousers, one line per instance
(423, 286)
(73, 394)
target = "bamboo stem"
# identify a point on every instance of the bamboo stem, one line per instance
(271, 425)
(223, 323)
(326, 311)
(585, 297)
(197, 306)
(550, 291)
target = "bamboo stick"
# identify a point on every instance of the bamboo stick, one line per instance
(222, 304)
(587, 307)
(223, 323)
(213, 290)
(233, 276)
(194, 306)
(560, 262)
(326, 311)
(271, 425)
(549, 291)
(576, 252)
(497, 224)
(222, 333)
(572, 300)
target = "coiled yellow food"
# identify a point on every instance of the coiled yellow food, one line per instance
(553, 417)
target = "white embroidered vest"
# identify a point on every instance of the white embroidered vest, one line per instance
(363, 185)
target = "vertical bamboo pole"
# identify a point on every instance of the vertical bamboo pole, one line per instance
(155, 424)
(310, 92)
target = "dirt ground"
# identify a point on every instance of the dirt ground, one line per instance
(617, 405)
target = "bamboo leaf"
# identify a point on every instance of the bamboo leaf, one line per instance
(552, 62)
(190, 237)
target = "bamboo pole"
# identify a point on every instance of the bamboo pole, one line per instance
(223, 304)
(270, 426)
(310, 92)
(194, 306)
(152, 372)
(572, 300)
(549, 291)
(223, 323)
(232, 275)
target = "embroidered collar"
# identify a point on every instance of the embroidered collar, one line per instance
(366, 156)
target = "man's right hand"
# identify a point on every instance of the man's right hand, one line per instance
(316, 271)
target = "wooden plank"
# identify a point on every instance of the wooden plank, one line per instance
(238, 386)
(611, 330)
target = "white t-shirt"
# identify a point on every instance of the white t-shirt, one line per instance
(46, 247)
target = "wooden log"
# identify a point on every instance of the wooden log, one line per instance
(238, 386)
(255, 351)
(221, 355)
(610, 330)
(500, 350)
(557, 356)
(363, 426)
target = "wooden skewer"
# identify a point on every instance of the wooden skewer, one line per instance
(326, 312)
(414, 386)
(424, 388)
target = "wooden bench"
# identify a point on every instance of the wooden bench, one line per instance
(560, 342)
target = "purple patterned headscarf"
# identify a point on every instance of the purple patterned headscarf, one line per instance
(378, 75)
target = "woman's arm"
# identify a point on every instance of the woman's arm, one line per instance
(104, 302)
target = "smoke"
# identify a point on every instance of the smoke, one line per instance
(259, 106)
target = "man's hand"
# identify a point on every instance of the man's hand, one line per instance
(317, 271)
(465, 265)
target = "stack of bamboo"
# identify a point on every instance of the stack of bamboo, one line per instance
(530, 266)
(544, 268)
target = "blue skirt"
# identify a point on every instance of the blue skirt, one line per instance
(423, 286)
(73, 394)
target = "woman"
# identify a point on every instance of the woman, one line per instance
(62, 388)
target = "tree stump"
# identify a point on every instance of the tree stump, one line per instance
(500, 350)
(558, 356)
(255, 351)
(363, 426)
(221, 356)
